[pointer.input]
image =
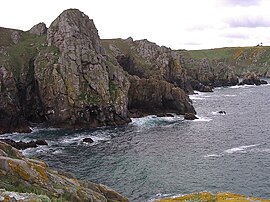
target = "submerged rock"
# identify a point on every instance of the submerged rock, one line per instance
(88, 140)
(28, 176)
(24, 145)
(190, 116)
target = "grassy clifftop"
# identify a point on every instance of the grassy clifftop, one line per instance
(241, 59)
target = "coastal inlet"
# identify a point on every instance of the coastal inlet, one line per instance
(154, 157)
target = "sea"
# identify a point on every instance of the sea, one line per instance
(156, 157)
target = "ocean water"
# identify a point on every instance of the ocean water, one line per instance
(157, 157)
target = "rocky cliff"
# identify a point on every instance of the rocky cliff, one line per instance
(159, 84)
(207, 72)
(24, 179)
(63, 76)
(78, 85)
(147, 60)
(237, 61)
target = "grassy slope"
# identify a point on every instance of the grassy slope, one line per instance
(242, 59)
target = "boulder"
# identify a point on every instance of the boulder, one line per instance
(88, 140)
(41, 142)
(263, 82)
(24, 145)
(190, 116)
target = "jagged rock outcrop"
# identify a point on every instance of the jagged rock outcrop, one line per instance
(39, 29)
(250, 78)
(24, 145)
(24, 175)
(152, 96)
(206, 74)
(68, 79)
(158, 81)
(78, 85)
(148, 60)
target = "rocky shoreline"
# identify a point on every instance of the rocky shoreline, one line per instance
(66, 76)
(24, 179)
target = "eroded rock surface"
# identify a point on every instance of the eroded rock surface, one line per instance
(39, 29)
(24, 175)
(79, 87)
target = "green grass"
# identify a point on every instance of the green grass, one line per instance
(241, 59)
(142, 65)
(5, 36)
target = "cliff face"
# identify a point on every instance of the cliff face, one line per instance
(238, 61)
(25, 179)
(148, 60)
(207, 71)
(152, 96)
(159, 84)
(78, 85)
(63, 76)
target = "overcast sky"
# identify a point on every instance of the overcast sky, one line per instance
(179, 24)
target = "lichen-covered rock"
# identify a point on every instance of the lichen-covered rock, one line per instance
(21, 174)
(152, 96)
(39, 29)
(79, 85)
(148, 60)
(209, 197)
(208, 72)
(10, 196)
(250, 78)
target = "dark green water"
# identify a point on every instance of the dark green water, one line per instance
(156, 157)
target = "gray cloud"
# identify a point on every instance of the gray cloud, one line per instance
(192, 43)
(240, 2)
(235, 35)
(248, 21)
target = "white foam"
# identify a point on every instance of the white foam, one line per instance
(78, 139)
(242, 86)
(202, 119)
(142, 121)
(39, 149)
(196, 97)
(153, 120)
(229, 95)
(217, 113)
(241, 149)
(212, 155)
(58, 151)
